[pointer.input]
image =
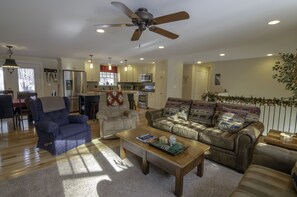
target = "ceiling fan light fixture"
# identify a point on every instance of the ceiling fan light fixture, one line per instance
(10, 63)
(101, 31)
(91, 62)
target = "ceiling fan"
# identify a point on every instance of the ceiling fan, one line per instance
(143, 19)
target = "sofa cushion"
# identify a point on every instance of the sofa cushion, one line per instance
(262, 181)
(294, 176)
(117, 123)
(217, 137)
(202, 112)
(166, 123)
(72, 129)
(174, 105)
(188, 129)
(253, 112)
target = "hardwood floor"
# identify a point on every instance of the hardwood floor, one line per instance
(19, 156)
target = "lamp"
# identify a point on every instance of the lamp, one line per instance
(10, 64)
(126, 66)
(91, 64)
(109, 63)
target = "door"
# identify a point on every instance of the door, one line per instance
(200, 84)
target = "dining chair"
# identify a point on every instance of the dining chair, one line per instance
(6, 108)
(24, 108)
(4, 92)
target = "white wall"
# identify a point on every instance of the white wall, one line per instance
(187, 81)
(174, 78)
(249, 77)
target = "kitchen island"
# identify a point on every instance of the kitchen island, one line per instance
(86, 100)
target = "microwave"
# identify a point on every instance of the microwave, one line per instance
(148, 77)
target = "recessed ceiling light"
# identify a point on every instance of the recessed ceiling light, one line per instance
(121, 62)
(161, 47)
(100, 31)
(222, 54)
(270, 54)
(153, 62)
(273, 22)
(89, 61)
(141, 58)
(199, 62)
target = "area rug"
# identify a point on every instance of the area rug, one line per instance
(104, 174)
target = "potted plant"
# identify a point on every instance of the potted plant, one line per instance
(287, 71)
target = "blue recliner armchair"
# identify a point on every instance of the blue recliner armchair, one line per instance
(58, 131)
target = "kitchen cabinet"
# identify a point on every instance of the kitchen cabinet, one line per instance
(93, 74)
(151, 100)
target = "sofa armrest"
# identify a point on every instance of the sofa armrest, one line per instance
(253, 131)
(274, 157)
(49, 127)
(101, 115)
(153, 115)
(78, 118)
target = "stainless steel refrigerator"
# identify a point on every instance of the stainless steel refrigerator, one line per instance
(74, 85)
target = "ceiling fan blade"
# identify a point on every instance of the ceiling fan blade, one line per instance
(114, 25)
(126, 10)
(163, 32)
(136, 35)
(171, 18)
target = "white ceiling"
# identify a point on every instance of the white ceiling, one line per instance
(56, 28)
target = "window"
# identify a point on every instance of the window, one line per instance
(26, 79)
(1, 79)
(107, 78)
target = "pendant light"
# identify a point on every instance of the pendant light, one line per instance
(126, 68)
(91, 63)
(109, 63)
(9, 63)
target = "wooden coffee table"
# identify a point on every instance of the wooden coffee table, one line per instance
(178, 165)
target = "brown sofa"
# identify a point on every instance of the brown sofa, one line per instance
(233, 149)
(269, 173)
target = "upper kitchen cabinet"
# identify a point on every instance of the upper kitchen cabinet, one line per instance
(93, 74)
(72, 64)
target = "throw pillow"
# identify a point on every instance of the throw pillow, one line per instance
(202, 112)
(294, 176)
(231, 122)
(182, 114)
(114, 98)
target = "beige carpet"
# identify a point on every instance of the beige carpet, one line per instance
(104, 174)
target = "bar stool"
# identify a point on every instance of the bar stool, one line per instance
(94, 110)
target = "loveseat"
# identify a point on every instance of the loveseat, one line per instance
(198, 120)
(58, 131)
(269, 173)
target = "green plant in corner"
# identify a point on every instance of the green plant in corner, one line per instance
(287, 71)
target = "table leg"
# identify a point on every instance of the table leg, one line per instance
(122, 150)
(200, 167)
(145, 164)
(179, 181)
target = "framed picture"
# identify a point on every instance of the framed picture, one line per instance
(217, 79)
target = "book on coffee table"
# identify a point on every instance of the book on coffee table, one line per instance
(146, 137)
